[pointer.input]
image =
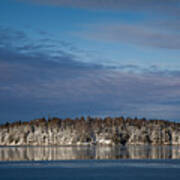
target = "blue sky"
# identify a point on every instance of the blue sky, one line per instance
(70, 58)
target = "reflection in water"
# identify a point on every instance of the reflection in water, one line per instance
(89, 152)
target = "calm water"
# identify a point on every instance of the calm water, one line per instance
(55, 153)
(126, 163)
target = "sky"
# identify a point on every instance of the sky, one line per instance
(72, 58)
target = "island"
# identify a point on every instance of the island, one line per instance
(90, 131)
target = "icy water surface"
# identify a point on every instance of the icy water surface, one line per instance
(90, 163)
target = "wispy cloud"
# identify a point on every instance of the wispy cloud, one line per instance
(159, 6)
(161, 32)
(138, 34)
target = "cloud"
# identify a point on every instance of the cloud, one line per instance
(159, 30)
(93, 92)
(35, 82)
(27, 66)
(159, 6)
(133, 34)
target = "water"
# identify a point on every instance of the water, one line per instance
(126, 163)
(55, 153)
